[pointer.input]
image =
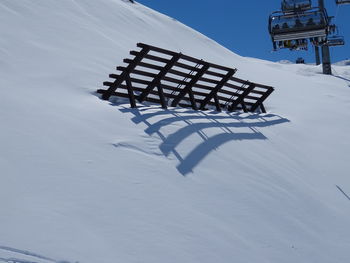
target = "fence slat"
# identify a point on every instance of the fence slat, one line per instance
(160, 75)
(188, 88)
(125, 73)
(217, 88)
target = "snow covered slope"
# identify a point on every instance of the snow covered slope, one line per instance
(92, 181)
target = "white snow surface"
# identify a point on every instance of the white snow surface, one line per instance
(85, 180)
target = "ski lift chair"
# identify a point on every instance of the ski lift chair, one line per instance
(294, 26)
(342, 2)
(335, 40)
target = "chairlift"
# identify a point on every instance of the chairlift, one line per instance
(342, 2)
(298, 27)
(335, 40)
(295, 5)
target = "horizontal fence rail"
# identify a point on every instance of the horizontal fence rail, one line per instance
(173, 79)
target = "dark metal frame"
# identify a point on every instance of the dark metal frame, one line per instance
(169, 78)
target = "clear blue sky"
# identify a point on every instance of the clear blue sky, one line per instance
(241, 25)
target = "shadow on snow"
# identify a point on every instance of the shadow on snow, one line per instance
(14, 255)
(197, 123)
(345, 79)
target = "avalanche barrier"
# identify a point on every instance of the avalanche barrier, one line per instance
(173, 79)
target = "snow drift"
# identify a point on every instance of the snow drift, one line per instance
(92, 181)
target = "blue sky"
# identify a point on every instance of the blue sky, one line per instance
(241, 26)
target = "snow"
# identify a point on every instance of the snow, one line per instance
(85, 180)
(343, 63)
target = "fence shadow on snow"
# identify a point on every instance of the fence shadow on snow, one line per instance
(176, 126)
(172, 79)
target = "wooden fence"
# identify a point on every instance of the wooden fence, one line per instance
(173, 79)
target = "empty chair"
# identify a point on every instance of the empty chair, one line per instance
(335, 40)
(342, 2)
